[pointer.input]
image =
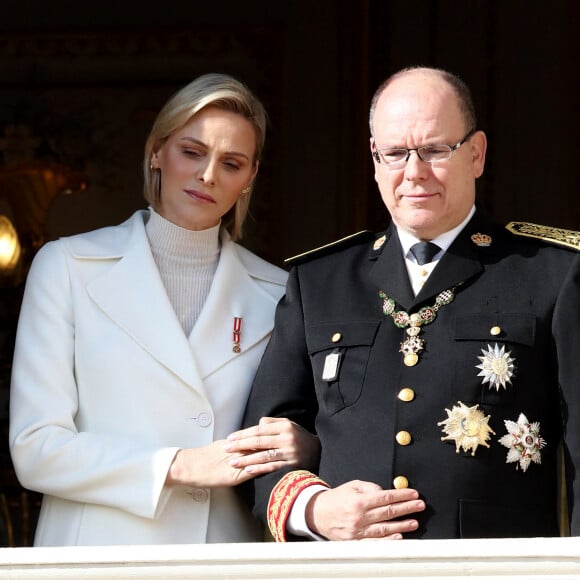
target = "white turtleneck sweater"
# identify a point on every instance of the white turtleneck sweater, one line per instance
(187, 261)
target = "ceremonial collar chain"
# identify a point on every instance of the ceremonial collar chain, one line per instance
(412, 323)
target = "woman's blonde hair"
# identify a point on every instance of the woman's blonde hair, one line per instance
(215, 90)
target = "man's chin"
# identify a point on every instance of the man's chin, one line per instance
(424, 224)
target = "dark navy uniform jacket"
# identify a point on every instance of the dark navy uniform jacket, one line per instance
(526, 290)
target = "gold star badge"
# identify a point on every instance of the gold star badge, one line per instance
(467, 426)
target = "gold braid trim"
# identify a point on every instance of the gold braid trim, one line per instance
(283, 497)
(559, 236)
(336, 245)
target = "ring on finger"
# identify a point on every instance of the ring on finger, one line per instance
(272, 453)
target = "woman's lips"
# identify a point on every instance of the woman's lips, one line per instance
(199, 195)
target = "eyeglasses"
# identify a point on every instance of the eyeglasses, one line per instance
(396, 157)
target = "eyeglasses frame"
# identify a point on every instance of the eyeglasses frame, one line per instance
(378, 155)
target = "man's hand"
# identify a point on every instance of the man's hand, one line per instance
(360, 509)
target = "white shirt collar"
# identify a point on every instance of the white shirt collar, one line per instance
(418, 274)
(443, 241)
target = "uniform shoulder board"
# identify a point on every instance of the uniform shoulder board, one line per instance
(332, 247)
(557, 236)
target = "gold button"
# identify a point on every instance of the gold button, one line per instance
(403, 437)
(336, 337)
(400, 482)
(495, 330)
(406, 394)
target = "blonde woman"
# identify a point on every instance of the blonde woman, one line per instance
(137, 345)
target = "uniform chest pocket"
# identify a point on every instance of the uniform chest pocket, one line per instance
(499, 327)
(489, 347)
(339, 354)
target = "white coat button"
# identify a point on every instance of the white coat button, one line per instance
(199, 495)
(204, 419)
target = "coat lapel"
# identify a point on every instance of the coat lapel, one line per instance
(459, 263)
(390, 273)
(234, 293)
(131, 293)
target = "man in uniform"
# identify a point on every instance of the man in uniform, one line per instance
(437, 361)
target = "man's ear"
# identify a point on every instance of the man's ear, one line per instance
(478, 143)
(374, 151)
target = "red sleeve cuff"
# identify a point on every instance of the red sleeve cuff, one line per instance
(283, 497)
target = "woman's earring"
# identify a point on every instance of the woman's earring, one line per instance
(247, 189)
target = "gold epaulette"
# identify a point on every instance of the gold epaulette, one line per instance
(558, 236)
(327, 248)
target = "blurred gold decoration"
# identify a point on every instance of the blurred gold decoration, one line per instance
(29, 185)
(30, 188)
(9, 245)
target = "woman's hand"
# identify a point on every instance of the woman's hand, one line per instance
(209, 466)
(271, 444)
(266, 447)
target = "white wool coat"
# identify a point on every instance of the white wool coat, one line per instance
(106, 387)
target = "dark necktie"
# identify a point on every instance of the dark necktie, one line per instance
(424, 252)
